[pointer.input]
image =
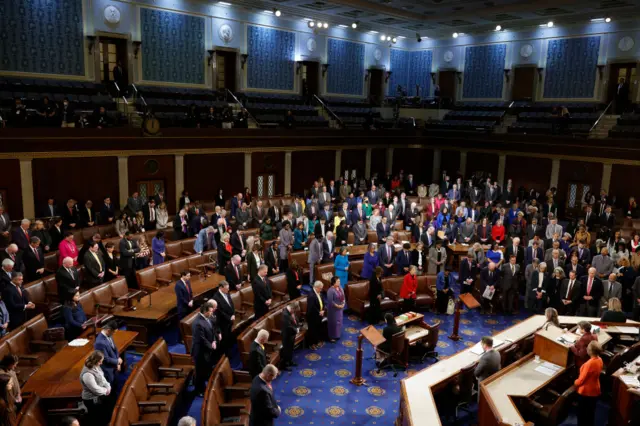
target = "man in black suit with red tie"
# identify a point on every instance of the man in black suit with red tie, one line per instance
(204, 347)
(33, 259)
(591, 292)
(261, 293)
(21, 236)
(233, 272)
(184, 294)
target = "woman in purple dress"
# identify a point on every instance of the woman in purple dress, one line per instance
(158, 249)
(335, 307)
(370, 262)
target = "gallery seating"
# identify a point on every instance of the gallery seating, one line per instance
(35, 412)
(226, 399)
(153, 277)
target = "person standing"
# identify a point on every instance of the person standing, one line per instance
(579, 349)
(93, 265)
(158, 248)
(335, 307)
(264, 408)
(257, 354)
(261, 293)
(104, 343)
(17, 301)
(294, 280)
(315, 256)
(128, 249)
(444, 286)
(96, 389)
(289, 331)
(315, 313)
(588, 385)
(204, 345)
(68, 280)
(226, 315)
(509, 277)
(184, 294)
(341, 266)
(376, 294)
(409, 289)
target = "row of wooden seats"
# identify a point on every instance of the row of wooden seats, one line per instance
(155, 387)
(243, 303)
(325, 271)
(36, 411)
(32, 344)
(153, 277)
(227, 399)
(358, 294)
(272, 322)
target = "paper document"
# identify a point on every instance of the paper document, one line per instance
(628, 330)
(567, 338)
(78, 342)
(550, 366)
(630, 380)
(546, 371)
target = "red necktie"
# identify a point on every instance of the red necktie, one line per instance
(589, 286)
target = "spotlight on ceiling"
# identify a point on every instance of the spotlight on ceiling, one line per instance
(388, 38)
(277, 12)
(325, 25)
(607, 20)
(498, 27)
(394, 40)
(549, 24)
(455, 35)
(311, 24)
(354, 25)
(383, 37)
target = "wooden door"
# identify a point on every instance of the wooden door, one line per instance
(149, 188)
(310, 78)
(618, 72)
(112, 51)
(447, 83)
(226, 70)
(265, 185)
(376, 84)
(524, 81)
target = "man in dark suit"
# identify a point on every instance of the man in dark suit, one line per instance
(68, 280)
(321, 229)
(238, 245)
(51, 209)
(149, 213)
(104, 342)
(569, 294)
(261, 293)
(387, 257)
(289, 331)
(590, 294)
(204, 344)
(21, 236)
(514, 249)
(264, 408)
(33, 259)
(184, 294)
(328, 248)
(584, 254)
(403, 260)
(468, 269)
(534, 229)
(541, 289)
(233, 272)
(510, 272)
(128, 250)
(622, 96)
(575, 266)
(489, 277)
(70, 218)
(17, 301)
(533, 252)
(607, 218)
(87, 215)
(383, 230)
(107, 212)
(257, 354)
(93, 265)
(226, 315)
(5, 273)
(590, 218)
(271, 258)
(489, 362)
(315, 313)
(275, 213)
(12, 253)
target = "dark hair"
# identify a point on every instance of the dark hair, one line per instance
(334, 279)
(7, 361)
(111, 325)
(406, 246)
(488, 341)
(378, 271)
(184, 273)
(586, 326)
(68, 234)
(389, 319)
(92, 244)
(160, 234)
(109, 245)
(93, 359)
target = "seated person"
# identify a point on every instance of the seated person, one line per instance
(579, 349)
(614, 312)
(489, 363)
(388, 331)
(74, 317)
(551, 316)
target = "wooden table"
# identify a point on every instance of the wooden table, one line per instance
(59, 377)
(624, 397)
(157, 309)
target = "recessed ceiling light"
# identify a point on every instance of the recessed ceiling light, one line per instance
(595, 20)
(278, 13)
(607, 20)
(312, 24)
(326, 25)
(401, 37)
(343, 26)
(224, 3)
(388, 38)
(354, 25)
(270, 12)
(549, 24)
(394, 40)
(455, 35)
(498, 27)
(383, 37)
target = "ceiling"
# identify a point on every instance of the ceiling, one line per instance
(440, 18)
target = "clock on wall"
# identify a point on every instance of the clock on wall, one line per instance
(225, 33)
(112, 14)
(526, 50)
(377, 54)
(448, 56)
(626, 43)
(311, 44)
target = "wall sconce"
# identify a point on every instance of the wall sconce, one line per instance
(540, 70)
(600, 70)
(367, 75)
(243, 60)
(387, 76)
(325, 67)
(433, 77)
(459, 74)
(92, 43)
(506, 74)
(298, 67)
(136, 48)
(211, 53)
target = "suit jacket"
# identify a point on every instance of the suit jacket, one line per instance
(597, 291)
(56, 236)
(32, 263)
(590, 220)
(384, 257)
(383, 232)
(110, 351)
(317, 230)
(15, 303)
(327, 215)
(224, 312)
(296, 209)
(146, 212)
(575, 293)
(531, 232)
(616, 291)
(509, 279)
(403, 260)
(70, 216)
(107, 212)
(608, 222)
(489, 280)
(184, 295)
(326, 250)
(236, 244)
(20, 238)
(50, 211)
(204, 335)
(312, 209)
(127, 254)
(580, 270)
(252, 265)
(584, 259)
(272, 214)
(261, 293)
(258, 215)
(466, 231)
(87, 216)
(509, 251)
(315, 251)
(93, 268)
(324, 198)
(234, 277)
(488, 365)
(271, 260)
(264, 408)
(67, 283)
(257, 359)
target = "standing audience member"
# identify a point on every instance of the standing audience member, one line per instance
(68, 248)
(104, 343)
(444, 286)
(204, 345)
(315, 313)
(68, 280)
(408, 291)
(288, 330)
(376, 294)
(335, 307)
(33, 259)
(110, 263)
(93, 266)
(261, 292)
(7, 404)
(158, 248)
(162, 216)
(588, 385)
(341, 266)
(294, 280)
(226, 315)
(74, 317)
(579, 349)
(184, 294)
(128, 250)
(257, 354)
(96, 389)
(4, 318)
(264, 408)
(17, 301)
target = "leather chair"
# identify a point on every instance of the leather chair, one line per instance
(51, 287)
(173, 249)
(301, 257)
(219, 387)
(93, 309)
(242, 315)
(88, 233)
(107, 231)
(178, 266)
(525, 347)
(187, 246)
(424, 294)
(401, 235)
(548, 407)
(185, 329)
(431, 343)
(279, 288)
(51, 261)
(324, 272)
(246, 294)
(35, 412)
(358, 299)
(463, 388)
(394, 357)
(355, 269)
(509, 355)
(398, 225)
(372, 236)
(151, 278)
(45, 303)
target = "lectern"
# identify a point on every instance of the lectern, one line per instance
(375, 338)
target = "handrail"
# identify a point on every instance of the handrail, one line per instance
(323, 105)
(601, 115)
(242, 106)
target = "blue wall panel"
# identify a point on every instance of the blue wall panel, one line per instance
(271, 58)
(346, 67)
(399, 71)
(420, 72)
(571, 67)
(484, 71)
(172, 47)
(42, 36)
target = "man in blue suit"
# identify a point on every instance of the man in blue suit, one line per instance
(204, 348)
(104, 342)
(387, 256)
(184, 294)
(403, 260)
(444, 286)
(533, 252)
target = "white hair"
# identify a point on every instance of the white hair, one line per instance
(7, 262)
(187, 421)
(329, 234)
(67, 260)
(516, 240)
(263, 335)
(236, 257)
(25, 221)
(318, 284)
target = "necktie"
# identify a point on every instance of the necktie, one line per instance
(71, 273)
(89, 213)
(152, 215)
(569, 289)
(19, 290)
(35, 251)
(513, 270)
(589, 286)
(388, 252)
(237, 272)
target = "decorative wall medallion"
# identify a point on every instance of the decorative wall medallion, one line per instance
(448, 56)
(311, 44)
(626, 43)
(225, 32)
(112, 14)
(526, 50)
(377, 54)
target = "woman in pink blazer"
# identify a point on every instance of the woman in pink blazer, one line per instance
(67, 248)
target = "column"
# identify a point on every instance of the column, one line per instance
(463, 163)
(437, 160)
(287, 172)
(555, 172)
(26, 180)
(389, 163)
(123, 180)
(247, 169)
(367, 164)
(606, 176)
(502, 162)
(179, 159)
(338, 169)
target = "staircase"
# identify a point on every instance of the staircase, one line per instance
(605, 124)
(509, 119)
(333, 124)
(131, 112)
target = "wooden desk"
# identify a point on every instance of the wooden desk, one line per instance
(59, 377)
(402, 321)
(546, 344)
(146, 319)
(624, 397)
(417, 404)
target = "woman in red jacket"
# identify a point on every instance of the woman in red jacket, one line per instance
(579, 349)
(409, 289)
(588, 385)
(497, 232)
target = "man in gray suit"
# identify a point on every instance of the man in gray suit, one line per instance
(531, 268)
(489, 362)
(509, 284)
(315, 255)
(243, 217)
(324, 198)
(258, 213)
(553, 228)
(373, 195)
(612, 288)
(296, 210)
(467, 232)
(360, 233)
(603, 263)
